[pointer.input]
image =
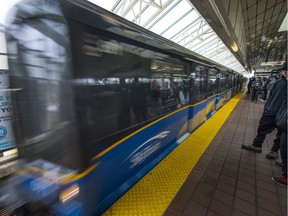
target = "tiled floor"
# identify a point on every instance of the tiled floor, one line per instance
(230, 181)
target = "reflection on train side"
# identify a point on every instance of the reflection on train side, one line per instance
(99, 103)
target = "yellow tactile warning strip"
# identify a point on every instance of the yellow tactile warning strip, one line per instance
(153, 193)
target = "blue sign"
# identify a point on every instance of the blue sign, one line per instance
(3, 132)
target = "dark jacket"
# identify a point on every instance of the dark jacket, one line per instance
(264, 87)
(276, 96)
(281, 117)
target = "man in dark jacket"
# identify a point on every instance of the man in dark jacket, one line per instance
(251, 80)
(281, 122)
(267, 121)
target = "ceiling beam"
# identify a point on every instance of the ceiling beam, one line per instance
(215, 14)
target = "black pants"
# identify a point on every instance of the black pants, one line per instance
(254, 96)
(267, 125)
(283, 152)
(264, 95)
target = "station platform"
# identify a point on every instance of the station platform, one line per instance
(209, 174)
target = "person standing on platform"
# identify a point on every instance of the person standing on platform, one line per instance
(267, 122)
(281, 122)
(256, 87)
(270, 84)
(251, 80)
(264, 88)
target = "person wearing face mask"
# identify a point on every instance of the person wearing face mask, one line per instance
(267, 122)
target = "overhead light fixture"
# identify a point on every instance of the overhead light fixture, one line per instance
(234, 47)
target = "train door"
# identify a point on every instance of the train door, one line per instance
(234, 83)
(218, 81)
(198, 79)
(198, 90)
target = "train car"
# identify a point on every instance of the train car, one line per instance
(95, 103)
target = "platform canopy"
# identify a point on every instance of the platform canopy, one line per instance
(178, 21)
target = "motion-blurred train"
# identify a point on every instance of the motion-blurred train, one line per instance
(90, 103)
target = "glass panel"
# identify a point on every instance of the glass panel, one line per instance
(39, 65)
(181, 24)
(224, 81)
(169, 18)
(198, 80)
(185, 32)
(147, 14)
(116, 91)
(212, 81)
(204, 44)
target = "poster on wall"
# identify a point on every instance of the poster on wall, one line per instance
(7, 139)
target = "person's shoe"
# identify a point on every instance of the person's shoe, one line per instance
(280, 180)
(278, 164)
(272, 155)
(252, 148)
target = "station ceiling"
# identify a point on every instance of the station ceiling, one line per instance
(266, 41)
(212, 28)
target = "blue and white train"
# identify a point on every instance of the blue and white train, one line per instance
(95, 103)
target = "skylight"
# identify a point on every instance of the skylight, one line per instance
(178, 21)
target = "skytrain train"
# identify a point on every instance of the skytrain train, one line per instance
(91, 103)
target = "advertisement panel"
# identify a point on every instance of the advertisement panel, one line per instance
(7, 139)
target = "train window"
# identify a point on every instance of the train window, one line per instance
(114, 106)
(198, 80)
(204, 82)
(39, 66)
(234, 83)
(167, 93)
(229, 80)
(119, 85)
(212, 81)
(224, 81)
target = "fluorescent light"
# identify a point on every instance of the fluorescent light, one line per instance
(234, 47)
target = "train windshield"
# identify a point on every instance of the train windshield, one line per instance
(38, 67)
